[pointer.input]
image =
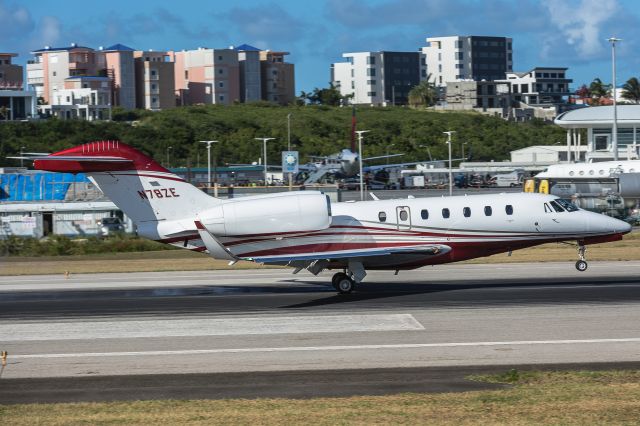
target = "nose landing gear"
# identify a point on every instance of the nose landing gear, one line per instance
(581, 265)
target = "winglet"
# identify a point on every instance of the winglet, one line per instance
(215, 247)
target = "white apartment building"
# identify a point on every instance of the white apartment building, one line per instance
(460, 58)
(541, 86)
(378, 78)
(83, 97)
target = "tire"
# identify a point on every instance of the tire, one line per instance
(342, 283)
(581, 265)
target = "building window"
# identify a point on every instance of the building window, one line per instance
(371, 72)
(220, 71)
(439, 67)
(460, 56)
(371, 82)
(352, 73)
(221, 84)
(353, 84)
(446, 213)
(220, 58)
(466, 212)
(154, 100)
(221, 97)
(54, 73)
(371, 93)
(153, 72)
(186, 74)
(371, 60)
(509, 209)
(153, 87)
(459, 44)
(382, 217)
(439, 56)
(487, 211)
(424, 214)
(274, 72)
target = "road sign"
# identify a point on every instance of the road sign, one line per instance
(290, 161)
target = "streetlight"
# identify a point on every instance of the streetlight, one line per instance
(360, 132)
(22, 148)
(428, 151)
(264, 141)
(614, 139)
(449, 133)
(289, 147)
(215, 173)
(169, 148)
(462, 144)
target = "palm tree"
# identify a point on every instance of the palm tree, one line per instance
(424, 94)
(598, 91)
(631, 90)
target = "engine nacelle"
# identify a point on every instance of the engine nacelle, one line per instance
(270, 214)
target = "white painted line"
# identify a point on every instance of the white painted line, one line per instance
(91, 330)
(326, 348)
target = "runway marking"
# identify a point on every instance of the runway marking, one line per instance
(90, 330)
(325, 348)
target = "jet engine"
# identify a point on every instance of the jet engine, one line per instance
(270, 214)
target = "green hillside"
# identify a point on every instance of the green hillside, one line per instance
(315, 130)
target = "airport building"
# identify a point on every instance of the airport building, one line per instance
(379, 78)
(598, 124)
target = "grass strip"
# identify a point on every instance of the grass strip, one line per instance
(568, 398)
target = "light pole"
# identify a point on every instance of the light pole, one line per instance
(169, 148)
(428, 151)
(264, 141)
(215, 174)
(462, 144)
(360, 132)
(449, 133)
(22, 148)
(614, 136)
(289, 147)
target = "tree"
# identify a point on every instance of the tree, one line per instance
(424, 94)
(598, 90)
(631, 90)
(583, 92)
(329, 96)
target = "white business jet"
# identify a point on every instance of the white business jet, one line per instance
(305, 230)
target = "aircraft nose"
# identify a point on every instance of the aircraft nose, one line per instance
(616, 225)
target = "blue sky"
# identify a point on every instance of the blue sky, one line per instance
(567, 33)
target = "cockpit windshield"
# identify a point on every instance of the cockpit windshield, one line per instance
(567, 205)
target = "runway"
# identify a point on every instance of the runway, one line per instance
(131, 330)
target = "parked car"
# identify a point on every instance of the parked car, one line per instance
(110, 225)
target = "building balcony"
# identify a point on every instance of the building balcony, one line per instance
(35, 81)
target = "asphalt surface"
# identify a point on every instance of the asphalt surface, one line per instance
(268, 333)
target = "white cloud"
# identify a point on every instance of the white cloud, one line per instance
(580, 23)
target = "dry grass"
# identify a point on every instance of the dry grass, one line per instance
(179, 260)
(571, 398)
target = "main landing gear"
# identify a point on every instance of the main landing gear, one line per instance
(581, 265)
(343, 283)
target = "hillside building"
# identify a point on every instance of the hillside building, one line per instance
(15, 103)
(155, 84)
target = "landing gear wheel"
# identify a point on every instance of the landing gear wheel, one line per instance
(581, 265)
(342, 283)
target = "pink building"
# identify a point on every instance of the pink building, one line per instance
(120, 68)
(207, 76)
(15, 103)
(155, 88)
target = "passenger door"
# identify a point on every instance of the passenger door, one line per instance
(403, 217)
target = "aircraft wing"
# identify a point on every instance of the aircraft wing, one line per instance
(428, 250)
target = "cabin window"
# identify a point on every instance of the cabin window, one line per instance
(509, 209)
(466, 212)
(487, 211)
(424, 214)
(547, 209)
(382, 217)
(446, 213)
(556, 206)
